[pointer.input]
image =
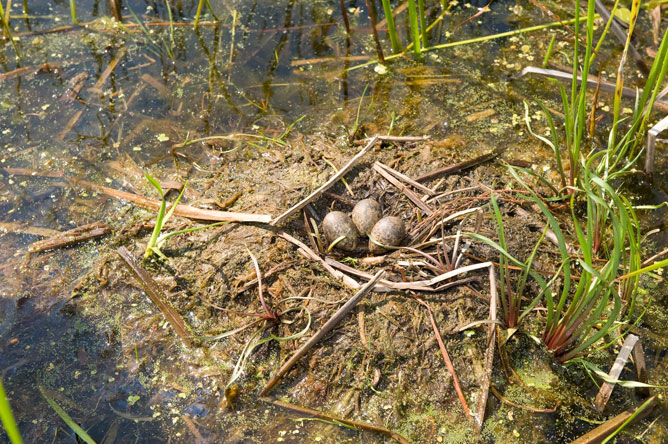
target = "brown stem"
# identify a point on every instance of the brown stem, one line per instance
(372, 18)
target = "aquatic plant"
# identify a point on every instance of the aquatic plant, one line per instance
(415, 29)
(73, 12)
(511, 298)
(7, 418)
(6, 29)
(603, 287)
(199, 11)
(81, 433)
(151, 44)
(620, 155)
(391, 29)
(162, 217)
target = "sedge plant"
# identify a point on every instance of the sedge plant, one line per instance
(157, 240)
(621, 154)
(586, 311)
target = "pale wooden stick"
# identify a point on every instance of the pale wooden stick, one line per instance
(186, 211)
(329, 325)
(411, 195)
(398, 138)
(335, 419)
(406, 179)
(489, 355)
(327, 185)
(606, 388)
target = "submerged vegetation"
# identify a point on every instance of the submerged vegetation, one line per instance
(563, 235)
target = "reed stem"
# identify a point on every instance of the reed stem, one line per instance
(391, 29)
(73, 12)
(415, 28)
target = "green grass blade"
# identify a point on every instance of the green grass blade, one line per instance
(159, 221)
(7, 418)
(197, 14)
(548, 52)
(73, 12)
(391, 29)
(423, 24)
(414, 27)
(172, 208)
(500, 232)
(7, 30)
(81, 433)
(561, 241)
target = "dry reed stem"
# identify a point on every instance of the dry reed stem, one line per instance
(329, 325)
(446, 358)
(605, 391)
(333, 418)
(71, 237)
(154, 293)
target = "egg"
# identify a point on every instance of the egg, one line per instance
(365, 215)
(389, 231)
(337, 224)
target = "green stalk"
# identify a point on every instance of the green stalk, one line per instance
(197, 14)
(645, 405)
(73, 12)
(548, 53)
(500, 232)
(7, 418)
(6, 29)
(635, 6)
(423, 24)
(415, 28)
(473, 40)
(391, 29)
(81, 433)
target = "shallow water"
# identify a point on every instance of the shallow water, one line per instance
(106, 104)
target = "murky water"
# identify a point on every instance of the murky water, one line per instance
(107, 103)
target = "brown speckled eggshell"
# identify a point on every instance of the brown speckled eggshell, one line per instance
(365, 215)
(337, 224)
(389, 231)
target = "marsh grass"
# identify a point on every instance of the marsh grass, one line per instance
(391, 29)
(6, 29)
(73, 12)
(511, 298)
(81, 433)
(7, 418)
(151, 44)
(199, 11)
(414, 27)
(621, 154)
(607, 286)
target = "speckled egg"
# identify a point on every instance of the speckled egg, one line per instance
(365, 215)
(389, 231)
(337, 224)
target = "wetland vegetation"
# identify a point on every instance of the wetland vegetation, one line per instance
(166, 167)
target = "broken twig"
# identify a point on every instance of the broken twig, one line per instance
(71, 237)
(335, 419)
(329, 325)
(154, 293)
(606, 388)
